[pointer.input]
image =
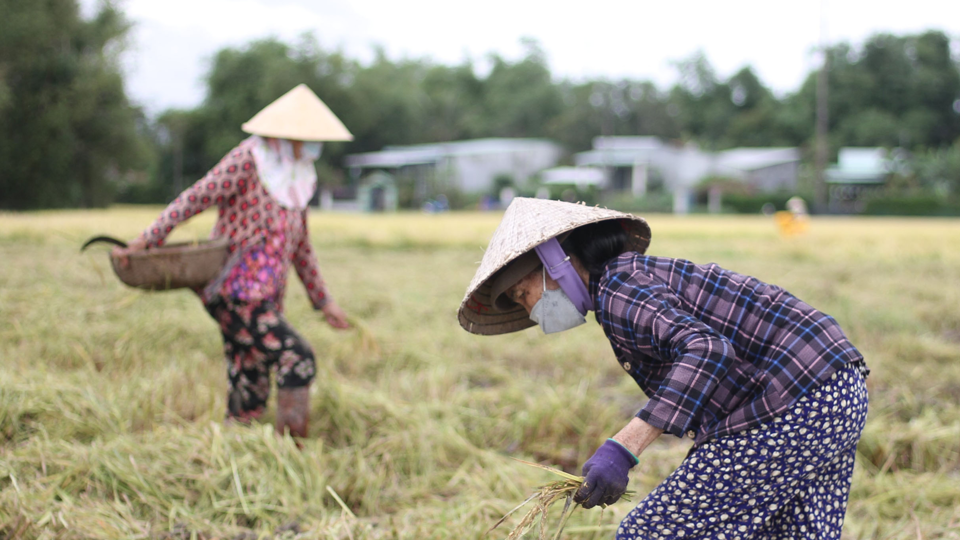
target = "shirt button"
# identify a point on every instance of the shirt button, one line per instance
(626, 366)
(692, 434)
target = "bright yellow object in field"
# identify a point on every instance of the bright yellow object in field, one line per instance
(790, 224)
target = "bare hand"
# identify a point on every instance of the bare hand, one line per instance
(335, 316)
(121, 254)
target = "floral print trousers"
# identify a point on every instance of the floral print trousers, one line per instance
(256, 339)
(787, 479)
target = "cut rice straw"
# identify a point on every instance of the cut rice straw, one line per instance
(343, 505)
(545, 496)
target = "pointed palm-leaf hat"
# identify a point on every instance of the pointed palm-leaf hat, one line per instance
(526, 224)
(298, 115)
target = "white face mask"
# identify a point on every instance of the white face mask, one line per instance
(290, 181)
(311, 150)
(555, 312)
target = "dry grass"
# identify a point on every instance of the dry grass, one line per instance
(111, 399)
(544, 497)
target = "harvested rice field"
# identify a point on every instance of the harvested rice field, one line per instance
(112, 399)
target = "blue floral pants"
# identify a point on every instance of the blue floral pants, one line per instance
(788, 479)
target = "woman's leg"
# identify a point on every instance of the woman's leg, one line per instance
(293, 411)
(295, 367)
(819, 507)
(761, 482)
(247, 371)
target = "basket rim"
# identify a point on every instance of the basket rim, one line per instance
(181, 248)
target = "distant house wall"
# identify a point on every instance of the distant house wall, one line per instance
(470, 166)
(377, 193)
(475, 173)
(780, 177)
(859, 174)
(690, 166)
(684, 166)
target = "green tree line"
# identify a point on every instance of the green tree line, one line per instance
(69, 135)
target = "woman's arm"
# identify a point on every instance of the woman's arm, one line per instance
(217, 186)
(308, 269)
(646, 316)
(309, 272)
(637, 435)
(606, 472)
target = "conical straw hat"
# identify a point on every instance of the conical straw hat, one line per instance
(526, 224)
(298, 115)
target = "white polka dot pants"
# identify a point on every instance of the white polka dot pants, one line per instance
(788, 479)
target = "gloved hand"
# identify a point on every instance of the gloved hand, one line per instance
(605, 475)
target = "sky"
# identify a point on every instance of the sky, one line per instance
(173, 41)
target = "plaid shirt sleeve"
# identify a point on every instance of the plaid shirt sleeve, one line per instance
(644, 315)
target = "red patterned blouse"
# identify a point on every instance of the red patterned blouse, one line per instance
(264, 236)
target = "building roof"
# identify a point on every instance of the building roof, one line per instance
(627, 151)
(611, 157)
(581, 176)
(751, 159)
(859, 166)
(420, 154)
(397, 157)
(627, 143)
(622, 151)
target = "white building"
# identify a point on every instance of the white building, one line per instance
(469, 166)
(859, 172)
(632, 164)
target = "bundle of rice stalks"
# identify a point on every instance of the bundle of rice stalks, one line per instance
(545, 496)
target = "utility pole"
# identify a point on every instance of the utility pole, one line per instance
(820, 185)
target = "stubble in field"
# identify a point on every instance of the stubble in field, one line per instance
(111, 400)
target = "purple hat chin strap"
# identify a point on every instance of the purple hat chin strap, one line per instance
(560, 269)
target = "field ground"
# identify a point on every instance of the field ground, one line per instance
(111, 399)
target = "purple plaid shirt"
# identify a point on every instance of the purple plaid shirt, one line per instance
(715, 351)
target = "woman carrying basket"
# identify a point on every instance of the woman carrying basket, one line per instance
(261, 189)
(768, 388)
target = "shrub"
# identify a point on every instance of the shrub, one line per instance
(912, 205)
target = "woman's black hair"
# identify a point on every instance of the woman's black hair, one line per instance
(595, 244)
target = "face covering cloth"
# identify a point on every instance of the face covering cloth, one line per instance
(292, 182)
(558, 265)
(555, 312)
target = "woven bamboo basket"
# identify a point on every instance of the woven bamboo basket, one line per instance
(174, 266)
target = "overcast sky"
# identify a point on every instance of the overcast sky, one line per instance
(173, 40)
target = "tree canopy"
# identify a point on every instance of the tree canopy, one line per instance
(68, 133)
(70, 137)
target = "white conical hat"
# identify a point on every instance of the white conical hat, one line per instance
(298, 115)
(526, 224)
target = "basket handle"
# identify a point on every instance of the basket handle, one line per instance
(107, 239)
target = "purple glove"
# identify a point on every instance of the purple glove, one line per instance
(605, 475)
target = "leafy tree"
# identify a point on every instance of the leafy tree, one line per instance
(519, 99)
(938, 170)
(451, 110)
(605, 108)
(391, 105)
(757, 118)
(68, 133)
(893, 91)
(704, 103)
(740, 111)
